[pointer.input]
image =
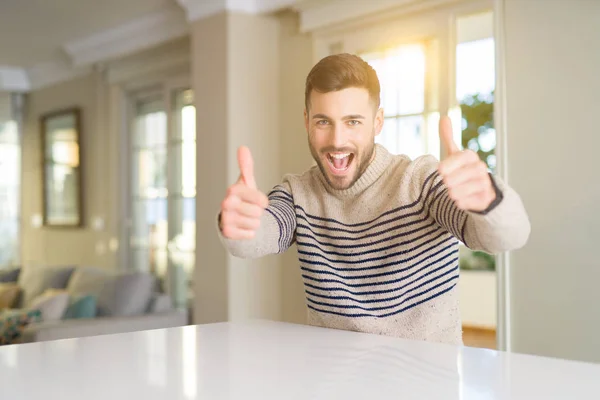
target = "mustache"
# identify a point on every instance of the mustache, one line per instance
(332, 149)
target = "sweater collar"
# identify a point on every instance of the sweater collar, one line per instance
(381, 160)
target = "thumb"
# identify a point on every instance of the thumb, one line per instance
(446, 137)
(246, 165)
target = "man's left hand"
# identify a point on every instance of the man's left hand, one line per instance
(464, 174)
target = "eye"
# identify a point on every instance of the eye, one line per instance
(322, 122)
(354, 122)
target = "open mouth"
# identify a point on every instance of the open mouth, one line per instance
(340, 162)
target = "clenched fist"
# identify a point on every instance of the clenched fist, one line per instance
(464, 174)
(244, 204)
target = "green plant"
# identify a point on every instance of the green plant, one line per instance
(478, 122)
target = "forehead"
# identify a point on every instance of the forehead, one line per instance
(342, 102)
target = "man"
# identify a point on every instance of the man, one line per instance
(377, 234)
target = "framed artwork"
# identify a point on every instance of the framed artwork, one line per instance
(61, 166)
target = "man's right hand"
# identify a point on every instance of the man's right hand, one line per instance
(244, 204)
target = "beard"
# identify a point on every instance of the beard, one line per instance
(361, 160)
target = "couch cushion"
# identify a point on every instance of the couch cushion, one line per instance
(126, 294)
(10, 275)
(36, 280)
(9, 293)
(88, 281)
(160, 302)
(51, 304)
(117, 293)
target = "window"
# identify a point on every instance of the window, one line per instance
(10, 184)
(163, 189)
(410, 125)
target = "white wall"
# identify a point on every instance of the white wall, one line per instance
(478, 298)
(553, 83)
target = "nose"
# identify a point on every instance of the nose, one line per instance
(339, 136)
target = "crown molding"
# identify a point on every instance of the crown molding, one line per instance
(139, 34)
(316, 15)
(14, 79)
(176, 57)
(198, 9)
(53, 72)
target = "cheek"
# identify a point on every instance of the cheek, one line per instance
(316, 137)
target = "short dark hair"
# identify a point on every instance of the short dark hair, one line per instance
(342, 71)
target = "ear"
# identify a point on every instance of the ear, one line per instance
(379, 121)
(306, 120)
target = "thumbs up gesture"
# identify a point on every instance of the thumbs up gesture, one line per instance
(244, 204)
(464, 174)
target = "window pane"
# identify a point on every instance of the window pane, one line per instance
(151, 130)
(475, 83)
(401, 73)
(410, 136)
(184, 169)
(150, 222)
(10, 183)
(388, 137)
(150, 173)
(140, 259)
(411, 79)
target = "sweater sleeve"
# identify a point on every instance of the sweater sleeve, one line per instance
(504, 226)
(277, 229)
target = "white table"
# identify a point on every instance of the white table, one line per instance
(268, 360)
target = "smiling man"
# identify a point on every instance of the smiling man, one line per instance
(377, 234)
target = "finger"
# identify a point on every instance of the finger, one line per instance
(471, 188)
(234, 204)
(446, 137)
(476, 202)
(466, 173)
(238, 220)
(249, 210)
(248, 195)
(457, 161)
(246, 165)
(234, 233)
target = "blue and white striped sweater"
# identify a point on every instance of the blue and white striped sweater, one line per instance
(381, 257)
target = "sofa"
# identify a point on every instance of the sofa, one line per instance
(61, 302)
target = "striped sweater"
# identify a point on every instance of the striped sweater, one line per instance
(382, 256)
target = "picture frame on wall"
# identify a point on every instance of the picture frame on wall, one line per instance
(61, 168)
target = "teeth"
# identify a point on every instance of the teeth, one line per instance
(339, 156)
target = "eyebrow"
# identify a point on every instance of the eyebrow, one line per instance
(347, 117)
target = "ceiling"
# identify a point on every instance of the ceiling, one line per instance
(34, 31)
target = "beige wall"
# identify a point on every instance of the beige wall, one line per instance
(552, 63)
(237, 104)
(296, 60)
(43, 245)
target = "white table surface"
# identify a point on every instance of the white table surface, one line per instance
(268, 360)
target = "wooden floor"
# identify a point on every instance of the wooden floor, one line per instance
(479, 337)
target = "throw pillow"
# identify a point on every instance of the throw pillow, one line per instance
(51, 305)
(81, 307)
(35, 280)
(12, 324)
(9, 292)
